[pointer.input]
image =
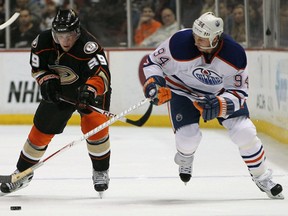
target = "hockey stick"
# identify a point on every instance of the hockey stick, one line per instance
(15, 177)
(9, 21)
(140, 122)
(194, 97)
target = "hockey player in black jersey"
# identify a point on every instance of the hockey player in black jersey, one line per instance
(68, 61)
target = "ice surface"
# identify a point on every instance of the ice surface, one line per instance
(144, 178)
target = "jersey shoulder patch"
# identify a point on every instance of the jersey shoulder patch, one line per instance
(182, 46)
(43, 40)
(233, 53)
(90, 47)
(35, 42)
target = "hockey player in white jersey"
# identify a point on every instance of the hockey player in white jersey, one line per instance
(202, 72)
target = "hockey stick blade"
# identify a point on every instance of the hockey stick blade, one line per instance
(140, 122)
(9, 21)
(15, 177)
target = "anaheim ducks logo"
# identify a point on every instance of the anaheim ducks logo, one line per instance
(67, 75)
(90, 47)
(207, 77)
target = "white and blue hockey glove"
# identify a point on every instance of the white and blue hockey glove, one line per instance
(155, 89)
(212, 106)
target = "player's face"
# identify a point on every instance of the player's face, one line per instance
(67, 40)
(202, 42)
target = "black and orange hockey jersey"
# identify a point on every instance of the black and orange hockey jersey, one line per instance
(84, 63)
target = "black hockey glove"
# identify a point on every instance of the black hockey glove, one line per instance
(212, 106)
(50, 87)
(86, 96)
(155, 89)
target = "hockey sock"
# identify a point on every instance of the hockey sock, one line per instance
(99, 153)
(29, 155)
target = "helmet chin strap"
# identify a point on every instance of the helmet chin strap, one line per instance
(54, 37)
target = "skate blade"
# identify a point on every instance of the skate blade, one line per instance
(3, 194)
(101, 194)
(19, 188)
(278, 196)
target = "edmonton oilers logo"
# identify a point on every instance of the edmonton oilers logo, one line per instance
(207, 77)
(179, 117)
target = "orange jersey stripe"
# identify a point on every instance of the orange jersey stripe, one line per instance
(255, 160)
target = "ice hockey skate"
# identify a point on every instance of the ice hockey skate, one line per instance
(101, 181)
(265, 184)
(20, 184)
(185, 166)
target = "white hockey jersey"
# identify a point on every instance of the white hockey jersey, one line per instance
(188, 71)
